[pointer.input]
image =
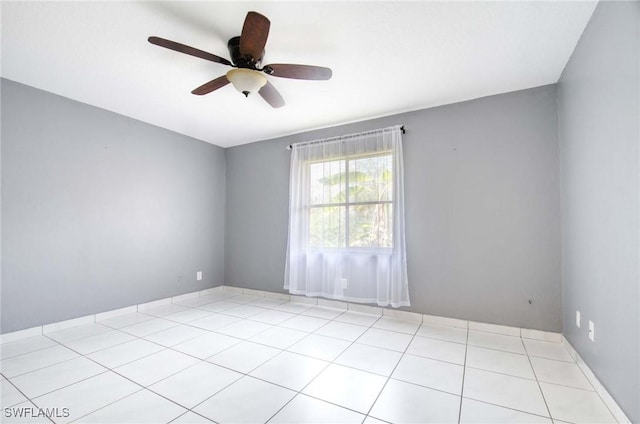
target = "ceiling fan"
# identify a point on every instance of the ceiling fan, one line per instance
(246, 53)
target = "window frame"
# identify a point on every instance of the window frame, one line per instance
(347, 204)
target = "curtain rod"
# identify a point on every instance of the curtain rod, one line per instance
(342, 137)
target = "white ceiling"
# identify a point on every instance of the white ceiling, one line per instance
(387, 57)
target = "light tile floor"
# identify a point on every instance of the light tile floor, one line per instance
(233, 358)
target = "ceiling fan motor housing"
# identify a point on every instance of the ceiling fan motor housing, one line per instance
(238, 59)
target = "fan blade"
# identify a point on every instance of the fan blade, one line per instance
(305, 72)
(211, 86)
(182, 48)
(271, 95)
(254, 35)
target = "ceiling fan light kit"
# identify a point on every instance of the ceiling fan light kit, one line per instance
(246, 81)
(246, 53)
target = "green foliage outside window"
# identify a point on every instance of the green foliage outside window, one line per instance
(350, 203)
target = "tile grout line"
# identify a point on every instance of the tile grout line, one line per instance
(44, 367)
(464, 372)
(281, 350)
(299, 392)
(509, 407)
(392, 371)
(234, 291)
(301, 313)
(143, 338)
(193, 412)
(29, 400)
(538, 382)
(187, 323)
(170, 348)
(117, 373)
(108, 369)
(263, 296)
(518, 377)
(329, 363)
(505, 374)
(606, 404)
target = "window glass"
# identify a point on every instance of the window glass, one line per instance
(350, 202)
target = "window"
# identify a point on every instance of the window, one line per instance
(351, 202)
(346, 219)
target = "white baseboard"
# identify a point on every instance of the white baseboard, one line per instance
(55, 326)
(279, 296)
(212, 290)
(303, 299)
(116, 312)
(449, 322)
(545, 336)
(608, 400)
(336, 304)
(253, 292)
(61, 325)
(154, 304)
(394, 313)
(494, 328)
(21, 334)
(355, 307)
(238, 290)
(180, 298)
(365, 309)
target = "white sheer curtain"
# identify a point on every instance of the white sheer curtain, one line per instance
(346, 219)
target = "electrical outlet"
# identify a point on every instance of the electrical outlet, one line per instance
(199, 275)
(592, 331)
(345, 283)
(578, 319)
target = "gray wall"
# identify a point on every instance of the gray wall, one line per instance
(598, 113)
(482, 201)
(100, 211)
